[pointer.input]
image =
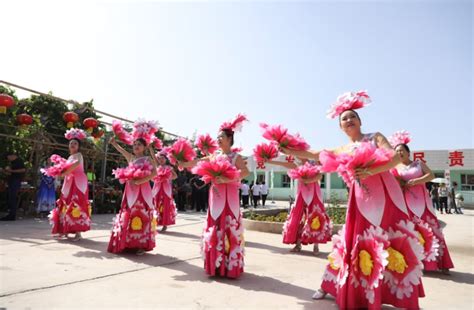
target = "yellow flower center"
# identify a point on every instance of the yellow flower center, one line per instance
(396, 261)
(331, 262)
(227, 245)
(161, 209)
(64, 210)
(421, 239)
(315, 223)
(153, 224)
(137, 223)
(365, 262)
(90, 211)
(76, 212)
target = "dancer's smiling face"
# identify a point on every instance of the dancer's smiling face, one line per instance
(225, 139)
(403, 152)
(349, 121)
(161, 160)
(74, 146)
(138, 147)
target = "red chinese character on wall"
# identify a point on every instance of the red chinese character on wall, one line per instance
(420, 156)
(261, 165)
(290, 158)
(456, 159)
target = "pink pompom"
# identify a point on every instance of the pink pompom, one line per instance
(217, 167)
(206, 144)
(60, 165)
(121, 133)
(304, 172)
(265, 151)
(181, 150)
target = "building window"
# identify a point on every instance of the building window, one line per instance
(323, 181)
(467, 182)
(285, 181)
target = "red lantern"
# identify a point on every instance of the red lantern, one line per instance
(98, 134)
(6, 102)
(90, 123)
(70, 118)
(24, 120)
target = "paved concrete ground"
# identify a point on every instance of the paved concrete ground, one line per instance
(38, 272)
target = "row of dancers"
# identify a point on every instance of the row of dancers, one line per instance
(390, 236)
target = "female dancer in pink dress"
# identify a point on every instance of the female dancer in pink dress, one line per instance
(376, 258)
(73, 211)
(223, 237)
(415, 174)
(307, 222)
(135, 224)
(163, 192)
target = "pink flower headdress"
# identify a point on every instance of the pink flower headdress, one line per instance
(399, 137)
(234, 125)
(349, 101)
(75, 133)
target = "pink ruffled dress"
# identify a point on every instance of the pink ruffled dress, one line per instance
(307, 222)
(73, 211)
(135, 224)
(420, 207)
(223, 237)
(376, 257)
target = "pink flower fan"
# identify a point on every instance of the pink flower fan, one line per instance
(181, 150)
(234, 125)
(217, 167)
(163, 174)
(133, 171)
(75, 133)
(280, 135)
(304, 172)
(206, 144)
(121, 133)
(328, 160)
(145, 130)
(60, 165)
(157, 143)
(366, 155)
(348, 101)
(399, 137)
(265, 151)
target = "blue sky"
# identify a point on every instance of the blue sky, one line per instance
(193, 65)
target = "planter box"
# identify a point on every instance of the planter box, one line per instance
(268, 227)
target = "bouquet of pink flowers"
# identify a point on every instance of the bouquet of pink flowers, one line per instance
(121, 133)
(265, 151)
(366, 155)
(133, 171)
(217, 167)
(280, 135)
(163, 174)
(304, 172)
(181, 150)
(60, 165)
(206, 144)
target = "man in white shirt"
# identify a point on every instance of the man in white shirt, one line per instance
(256, 194)
(264, 192)
(245, 189)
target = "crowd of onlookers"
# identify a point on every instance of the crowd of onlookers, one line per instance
(445, 199)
